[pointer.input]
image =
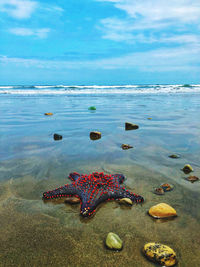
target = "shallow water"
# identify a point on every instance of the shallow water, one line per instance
(34, 233)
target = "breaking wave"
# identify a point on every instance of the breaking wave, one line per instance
(99, 89)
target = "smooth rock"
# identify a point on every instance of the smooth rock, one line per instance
(159, 191)
(174, 156)
(167, 187)
(130, 126)
(72, 200)
(48, 113)
(125, 146)
(192, 179)
(92, 108)
(126, 201)
(187, 168)
(95, 135)
(57, 137)
(162, 210)
(160, 253)
(114, 242)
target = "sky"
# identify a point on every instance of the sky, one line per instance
(99, 41)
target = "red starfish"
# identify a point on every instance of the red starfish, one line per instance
(93, 189)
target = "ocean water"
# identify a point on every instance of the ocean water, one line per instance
(34, 233)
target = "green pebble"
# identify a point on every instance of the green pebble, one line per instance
(114, 242)
(92, 108)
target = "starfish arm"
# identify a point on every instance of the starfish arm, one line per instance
(119, 177)
(74, 176)
(62, 191)
(126, 194)
(88, 206)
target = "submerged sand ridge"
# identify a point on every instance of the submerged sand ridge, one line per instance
(36, 233)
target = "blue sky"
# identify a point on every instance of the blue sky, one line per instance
(99, 41)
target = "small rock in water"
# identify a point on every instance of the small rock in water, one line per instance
(187, 168)
(114, 242)
(159, 191)
(160, 253)
(95, 135)
(174, 156)
(167, 187)
(192, 179)
(92, 108)
(126, 201)
(48, 113)
(162, 210)
(130, 126)
(57, 137)
(125, 146)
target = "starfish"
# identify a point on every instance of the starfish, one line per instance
(92, 190)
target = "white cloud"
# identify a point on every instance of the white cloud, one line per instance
(158, 10)
(40, 33)
(20, 9)
(155, 17)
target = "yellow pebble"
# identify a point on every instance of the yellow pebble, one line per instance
(160, 253)
(162, 210)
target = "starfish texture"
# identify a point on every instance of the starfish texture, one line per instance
(92, 190)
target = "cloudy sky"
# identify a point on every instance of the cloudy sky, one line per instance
(99, 41)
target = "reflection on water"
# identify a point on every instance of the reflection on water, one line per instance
(34, 233)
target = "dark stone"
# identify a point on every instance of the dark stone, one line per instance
(187, 169)
(57, 137)
(192, 179)
(125, 146)
(159, 191)
(130, 126)
(174, 156)
(95, 135)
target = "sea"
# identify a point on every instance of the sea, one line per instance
(38, 233)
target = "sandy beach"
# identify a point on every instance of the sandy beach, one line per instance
(36, 233)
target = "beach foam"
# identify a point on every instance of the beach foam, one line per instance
(98, 89)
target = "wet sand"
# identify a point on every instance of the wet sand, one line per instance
(34, 233)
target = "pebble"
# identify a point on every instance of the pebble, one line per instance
(57, 137)
(159, 191)
(187, 168)
(92, 108)
(72, 200)
(126, 201)
(162, 210)
(48, 113)
(125, 146)
(174, 156)
(192, 179)
(130, 126)
(167, 187)
(95, 135)
(114, 242)
(160, 253)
